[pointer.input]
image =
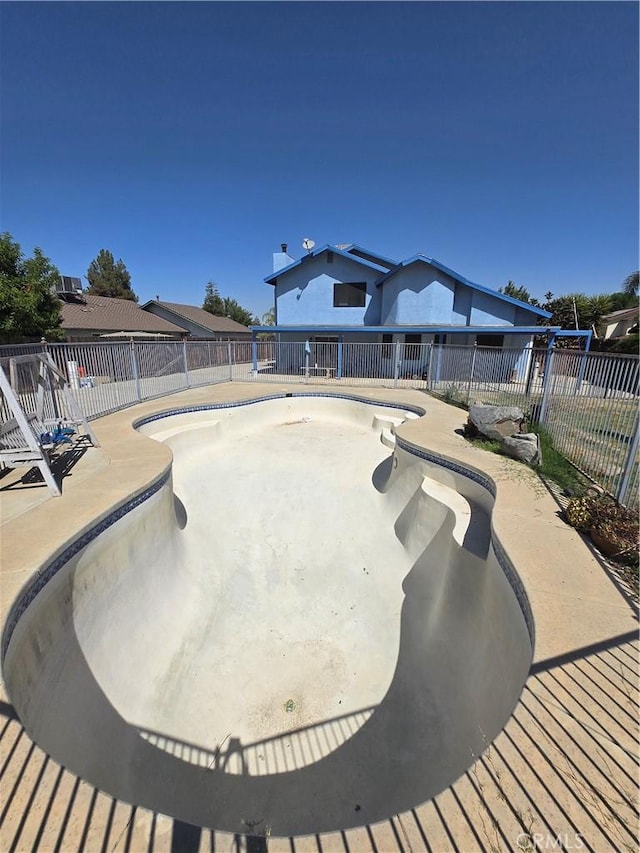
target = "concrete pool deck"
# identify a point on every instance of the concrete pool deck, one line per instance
(565, 766)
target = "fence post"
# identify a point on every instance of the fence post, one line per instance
(396, 371)
(230, 356)
(186, 365)
(134, 368)
(630, 461)
(116, 384)
(254, 353)
(339, 371)
(473, 365)
(429, 360)
(530, 372)
(548, 378)
(52, 393)
(439, 364)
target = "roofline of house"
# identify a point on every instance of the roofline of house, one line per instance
(166, 305)
(455, 275)
(386, 274)
(351, 247)
(271, 279)
(619, 315)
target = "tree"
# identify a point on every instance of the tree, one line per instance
(236, 312)
(213, 302)
(108, 277)
(226, 307)
(630, 284)
(622, 300)
(29, 307)
(589, 310)
(521, 293)
(599, 305)
(269, 317)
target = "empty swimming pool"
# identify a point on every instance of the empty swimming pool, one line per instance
(303, 626)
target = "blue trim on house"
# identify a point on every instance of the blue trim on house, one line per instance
(577, 333)
(424, 259)
(271, 279)
(417, 330)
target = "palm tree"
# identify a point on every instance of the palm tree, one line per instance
(630, 284)
(269, 318)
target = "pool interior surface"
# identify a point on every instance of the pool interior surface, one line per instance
(305, 629)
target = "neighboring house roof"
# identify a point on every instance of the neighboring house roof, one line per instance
(381, 266)
(103, 314)
(623, 314)
(455, 275)
(209, 322)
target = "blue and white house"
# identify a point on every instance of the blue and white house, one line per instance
(342, 294)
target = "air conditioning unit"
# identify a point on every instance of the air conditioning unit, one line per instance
(69, 285)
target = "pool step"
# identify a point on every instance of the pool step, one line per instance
(452, 499)
(387, 426)
(164, 435)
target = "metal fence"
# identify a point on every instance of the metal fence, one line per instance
(588, 402)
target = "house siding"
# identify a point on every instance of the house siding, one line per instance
(304, 295)
(487, 310)
(418, 294)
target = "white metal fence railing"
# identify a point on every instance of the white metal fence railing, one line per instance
(588, 402)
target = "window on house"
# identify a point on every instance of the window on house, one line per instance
(412, 346)
(387, 349)
(489, 340)
(349, 294)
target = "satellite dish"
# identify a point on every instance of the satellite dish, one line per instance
(308, 244)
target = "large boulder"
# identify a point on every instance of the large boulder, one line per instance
(523, 446)
(496, 422)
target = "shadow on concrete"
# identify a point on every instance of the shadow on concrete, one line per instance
(62, 465)
(529, 763)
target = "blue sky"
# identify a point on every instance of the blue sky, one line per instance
(191, 139)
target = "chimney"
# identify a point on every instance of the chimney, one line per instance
(282, 258)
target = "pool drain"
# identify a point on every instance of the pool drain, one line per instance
(289, 706)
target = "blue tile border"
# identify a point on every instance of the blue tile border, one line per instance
(444, 462)
(206, 407)
(37, 583)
